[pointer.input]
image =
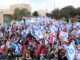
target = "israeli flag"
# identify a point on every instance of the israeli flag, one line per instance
(78, 33)
(53, 29)
(71, 52)
(17, 47)
(65, 38)
(37, 33)
(24, 32)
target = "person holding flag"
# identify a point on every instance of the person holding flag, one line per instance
(63, 36)
(71, 51)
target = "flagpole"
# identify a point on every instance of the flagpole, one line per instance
(54, 4)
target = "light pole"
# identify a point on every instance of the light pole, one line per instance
(54, 4)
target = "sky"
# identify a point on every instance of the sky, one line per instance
(49, 5)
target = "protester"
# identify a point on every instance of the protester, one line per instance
(39, 40)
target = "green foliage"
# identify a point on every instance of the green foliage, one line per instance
(73, 20)
(35, 13)
(48, 14)
(68, 12)
(55, 14)
(78, 18)
(15, 15)
(19, 13)
(78, 11)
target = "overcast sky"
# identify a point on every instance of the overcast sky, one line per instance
(41, 4)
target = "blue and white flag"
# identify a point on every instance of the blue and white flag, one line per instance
(17, 47)
(24, 32)
(78, 33)
(37, 33)
(65, 38)
(71, 52)
(53, 29)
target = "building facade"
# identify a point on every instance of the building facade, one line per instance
(20, 6)
(42, 12)
(1, 18)
(8, 12)
(12, 8)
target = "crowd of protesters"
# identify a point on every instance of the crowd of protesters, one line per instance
(18, 41)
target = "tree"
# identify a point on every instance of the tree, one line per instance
(78, 11)
(68, 12)
(19, 13)
(55, 14)
(15, 14)
(35, 13)
(48, 14)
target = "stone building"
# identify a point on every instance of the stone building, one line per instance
(8, 12)
(1, 18)
(42, 12)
